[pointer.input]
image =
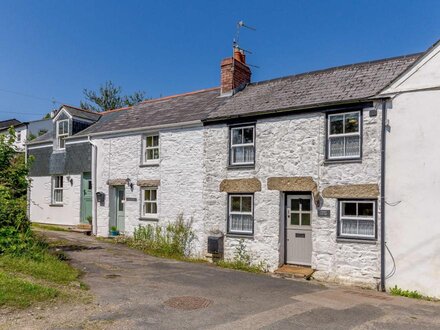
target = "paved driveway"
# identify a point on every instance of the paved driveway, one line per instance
(136, 291)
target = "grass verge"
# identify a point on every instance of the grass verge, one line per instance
(239, 265)
(49, 227)
(16, 292)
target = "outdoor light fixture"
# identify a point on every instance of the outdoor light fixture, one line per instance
(69, 179)
(129, 183)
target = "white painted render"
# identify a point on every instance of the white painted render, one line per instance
(180, 172)
(41, 209)
(289, 146)
(413, 179)
(20, 137)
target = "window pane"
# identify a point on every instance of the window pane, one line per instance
(152, 154)
(349, 209)
(148, 208)
(365, 209)
(336, 147)
(246, 204)
(240, 223)
(156, 153)
(153, 194)
(147, 194)
(305, 219)
(156, 140)
(337, 124)
(305, 204)
(349, 227)
(352, 146)
(352, 123)
(248, 135)
(294, 219)
(366, 228)
(235, 204)
(149, 141)
(61, 143)
(249, 154)
(237, 136)
(294, 204)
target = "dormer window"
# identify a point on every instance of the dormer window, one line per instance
(62, 133)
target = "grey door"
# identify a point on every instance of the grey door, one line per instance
(86, 200)
(120, 208)
(299, 230)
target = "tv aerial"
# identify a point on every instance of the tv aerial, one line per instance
(235, 42)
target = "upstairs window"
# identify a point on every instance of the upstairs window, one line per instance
(18, 136)
(241, 216)
(57, 189)
(151, 152)
(344, 138)
(357, 219)
(149, 202)
(62, 133)
(242, 149)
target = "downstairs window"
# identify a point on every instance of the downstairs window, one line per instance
(357, 219)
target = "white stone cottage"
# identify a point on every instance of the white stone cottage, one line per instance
(296, 167)
(60, 175)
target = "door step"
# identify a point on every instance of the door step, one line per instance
(82, 228)
(293, 271)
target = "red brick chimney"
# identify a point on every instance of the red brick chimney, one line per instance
(235, 74)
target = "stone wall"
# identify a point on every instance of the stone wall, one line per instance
(180, 172)
(292, 146)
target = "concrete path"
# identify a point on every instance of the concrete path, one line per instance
(136, 291)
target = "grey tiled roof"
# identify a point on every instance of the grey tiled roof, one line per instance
(46, 137)
(8, 123)
(80, 113)
(168, 110)
(350, 83)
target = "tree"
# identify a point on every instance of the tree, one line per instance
(109, 97)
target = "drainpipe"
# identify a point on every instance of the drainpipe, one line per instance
(94, 173)
(382, 196)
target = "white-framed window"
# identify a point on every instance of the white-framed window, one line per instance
(151, 149)
(242, 149)
(149, 202)
(344, 135)
(241, 215)
(18, 136)
(62, 132)
(57, 189)
(357, 219)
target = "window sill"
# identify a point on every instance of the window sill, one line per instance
(371, 241)
(148, 219)
(149, 164)
(56, 205)
(342, 161)
(248, 236)
(241, 167)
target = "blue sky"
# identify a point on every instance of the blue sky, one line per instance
(54, 49)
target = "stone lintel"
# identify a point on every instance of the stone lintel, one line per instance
(240, 185)
(352, 191)
(116, 182)
(297, 183)
(148, 183)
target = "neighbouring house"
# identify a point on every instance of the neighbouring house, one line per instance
(311, 169)
(60, 175)
(412, 177)
(25, 131)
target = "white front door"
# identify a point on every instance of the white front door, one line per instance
(299, 230)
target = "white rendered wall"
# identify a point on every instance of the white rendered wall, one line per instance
(286, 147)
(41, 210)
(180, 173)
(413, 178)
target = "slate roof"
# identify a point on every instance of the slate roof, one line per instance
(81, 113)
(168, 110)
(10, 122)
(344, 84)
(46, 137)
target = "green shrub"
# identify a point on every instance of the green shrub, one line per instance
(405, 293)
(21, 243)
(174, 240)
(243, 261)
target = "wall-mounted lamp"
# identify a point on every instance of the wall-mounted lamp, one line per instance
(69, 178)
(129, 183)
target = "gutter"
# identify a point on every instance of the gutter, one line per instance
(382, 196)
(94, 174)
